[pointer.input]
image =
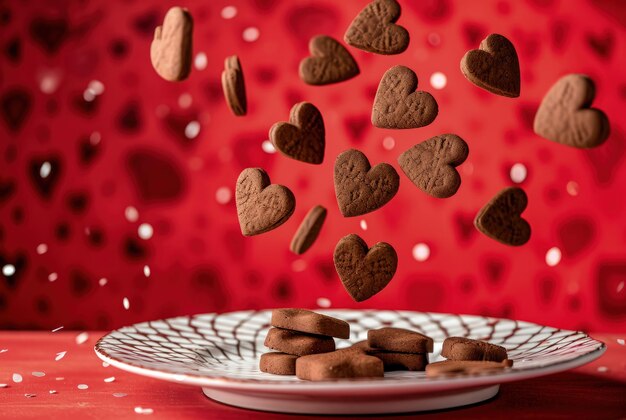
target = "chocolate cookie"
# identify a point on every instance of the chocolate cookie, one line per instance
(364, 272)
(302, 138)
(171, 48)
(234, 86)
(309, 230)
(374, 29)
(399, 340)
(298, 343)
(360, 188)
(464, 367)
(337, 365)
(399, 105)
(460, 348)
(394, 360)
(330, 62)
(501, 219)
(261, 207)
(278, 363)
(310, 322)
(431, 164)
(565, 114)
(494, 66)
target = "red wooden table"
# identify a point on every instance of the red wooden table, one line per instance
(597, 390)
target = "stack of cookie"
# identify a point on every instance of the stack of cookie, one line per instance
(398, 348)
(467, 356)
(299, 332)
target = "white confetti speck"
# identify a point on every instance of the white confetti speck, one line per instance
(59, 378)
(621, 341)
(42, 249)
(60, 356)
(438, 80)
(82, 338)
(268, 147)
(105, 364)
(57, 328)
(298, 265)
(572, 188)
(131, 214)
(38, 374)
(192, 130)
(52, 391)
(363, 224)
(146, 270)
(251, 34)
(8, 270)
(553, 256)
(110, 379)
(17, 378)
(52, 277)
(389, 143)
(200, 61)
(119, 394)
(603, 369)
(185, 100)
(518, 173)
(126, 303)
(3, 350)
(323, 302)
(30, 395)
(103, 281)
(421, 252)
(620, 286)
(96, 87)
(88, 95)
(141, 410)
(223, 195)
(4, 385)
(82, 386)
(145, 231)
(229, 12)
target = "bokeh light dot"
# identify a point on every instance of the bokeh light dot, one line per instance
(323, 302)
(223, 195)
(42, 249)
(131, 214)
(146, 270)
(572, 188)
(185, 100)
(251, 34)
(201, 61)
(434, 39)
(438, 80)
(145, 231)
(45, 169)
(299, 265)
(52, 277)
(8, 270)
(389, 143)
(363, 224)
(229, 12)
(268, 147)
(192, 130)
(518, 173)
(553, 256)
(421, 252)
(126, 303)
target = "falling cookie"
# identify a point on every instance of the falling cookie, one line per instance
(171, 48)
(309, 230)
(306, 321)
(501, 219)
(278, 363)
(461, 348)
(261, 207)
(399, 340)
(431, 164)
(297, 343)
(234, 86)
(465, 367)
(364, 272)
(337, 365)
(360, 188)
(565, 114)
(303, 137)
(374, 29)
(330, 62)
(494, 66)
(399, 105)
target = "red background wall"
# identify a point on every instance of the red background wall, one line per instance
(139, 156)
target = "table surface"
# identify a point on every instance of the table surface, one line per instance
(596, 390)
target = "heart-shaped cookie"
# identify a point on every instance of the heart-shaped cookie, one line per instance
(431, 164)
(374, 29)
(343, 363)
(399, 105)
(234, 86)
(364, 272)
(330, 62)
(565, 114)
(501, 219)
(494, 66)
(360, 188)
(171, 47)
(303, 137)
(261, 206)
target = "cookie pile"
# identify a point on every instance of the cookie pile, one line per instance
(565, 116)
(467, 356)
(299, 332)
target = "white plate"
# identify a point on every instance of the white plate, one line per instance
(219, 352)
